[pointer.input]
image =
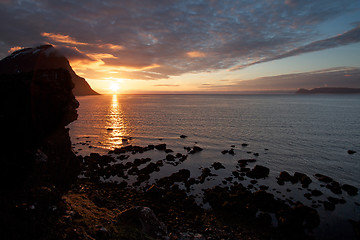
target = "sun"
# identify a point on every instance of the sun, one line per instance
(114, 87)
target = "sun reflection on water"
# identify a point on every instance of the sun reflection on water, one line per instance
(116, 125)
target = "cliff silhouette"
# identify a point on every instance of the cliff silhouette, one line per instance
(41, 58)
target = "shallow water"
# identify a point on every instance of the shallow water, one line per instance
(309, 134)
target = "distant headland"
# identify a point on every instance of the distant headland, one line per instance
(329, 90)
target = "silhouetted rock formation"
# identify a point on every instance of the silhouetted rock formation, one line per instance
(37, 161)
(329, 90)
(43, 57)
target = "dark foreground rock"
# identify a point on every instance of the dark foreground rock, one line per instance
(145, 219)
(37, 161)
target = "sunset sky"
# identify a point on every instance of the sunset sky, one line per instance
(168, 46)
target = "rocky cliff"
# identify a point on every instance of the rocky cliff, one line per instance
(43, 57)
(37, 162)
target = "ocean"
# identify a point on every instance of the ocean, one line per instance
(294, 133)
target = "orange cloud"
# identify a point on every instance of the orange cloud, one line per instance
(195, 54)
(112, 46)
(69, 40)
(13, 49)
(62, 38)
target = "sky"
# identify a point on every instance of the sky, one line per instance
(196, 46)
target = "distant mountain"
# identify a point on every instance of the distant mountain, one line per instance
(329, 90)
(43, 57)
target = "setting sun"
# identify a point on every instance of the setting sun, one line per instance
(114, 87)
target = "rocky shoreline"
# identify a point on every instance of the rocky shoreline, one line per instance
(235, 210)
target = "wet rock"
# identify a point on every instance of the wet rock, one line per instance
(244, 162)
(258, 172)
(351, 152)
(123, 157)
(329, 205)
(266, 201)
(181, 176)
(336, 200)
(170, 157)
(142, 177)
(183, 136)
(229, 179)
(236, 174)
(298, 217)
(316, 193)
(133, 171)
(168, 150)
(303, 178)
(351, 190)
(189, 182)
(253, 181)
(334, 187)
(280, 182)
(195, 149)
(225, 151)
(308, 196)
(160, 147)
(217, 165)
(144, 219)
(285, 176)
(206, 172)
(323, 178)
(138, 162)
(244, 169)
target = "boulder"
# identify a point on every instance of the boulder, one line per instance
(334, 187)
(285, 176)
(195, 149)
(298, 217)
(329, 206)
(351, 152)
(323, 178)
(351, 190)
(145, 220)
(217, 165)
(258, 172)
(160, 147)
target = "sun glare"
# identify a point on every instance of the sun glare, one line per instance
(114, 87)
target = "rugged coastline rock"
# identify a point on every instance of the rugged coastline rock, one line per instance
(43, 58)
(38, 164)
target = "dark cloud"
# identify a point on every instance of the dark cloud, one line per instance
(352, 36)
(162, 34)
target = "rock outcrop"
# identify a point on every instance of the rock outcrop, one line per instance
(37, 162)
(41, 58)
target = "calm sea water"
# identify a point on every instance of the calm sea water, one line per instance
(309, 134)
